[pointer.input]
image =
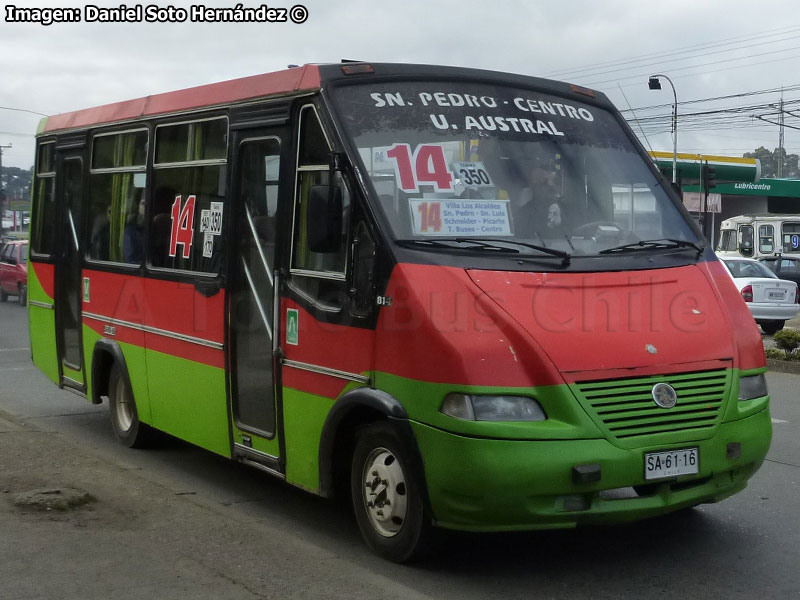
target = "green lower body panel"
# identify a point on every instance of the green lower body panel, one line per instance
(501, 485)
(304, 416)
(188, 400)
(42, 327)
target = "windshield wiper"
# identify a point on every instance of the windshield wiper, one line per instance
(488, 244)
(658, 244)
(448, 243)
(551, 251)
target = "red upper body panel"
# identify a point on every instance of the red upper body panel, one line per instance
(246, 88)
(503, 328)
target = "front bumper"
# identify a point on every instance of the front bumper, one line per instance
(501, 485)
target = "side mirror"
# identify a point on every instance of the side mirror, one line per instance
(324, 218)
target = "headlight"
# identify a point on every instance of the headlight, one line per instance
(752, 386)
(492, 408)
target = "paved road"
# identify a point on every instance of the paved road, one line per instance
(177, 522)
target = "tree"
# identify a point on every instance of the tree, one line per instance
(16, 183)
(771, 159)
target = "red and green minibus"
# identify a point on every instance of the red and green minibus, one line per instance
(467, 299)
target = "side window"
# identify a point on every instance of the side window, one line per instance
(188, 196)
(791, 237)
(728, 240)
(746, 243)
(44, 213)
(117, 184)
(766, 236)
(313, 170)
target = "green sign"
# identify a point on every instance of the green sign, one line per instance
(784, 188)
(292, 325)
(86, 289)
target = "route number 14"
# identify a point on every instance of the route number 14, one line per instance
(430, 217)
(427, 166)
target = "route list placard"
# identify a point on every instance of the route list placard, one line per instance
(460, 217)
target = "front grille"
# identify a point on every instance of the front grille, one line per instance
(625, 407)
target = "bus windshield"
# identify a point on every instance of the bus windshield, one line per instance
(460, 162)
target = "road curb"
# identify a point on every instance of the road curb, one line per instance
(783, 366)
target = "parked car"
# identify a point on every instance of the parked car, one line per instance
(14, 271)
(784, 267)
(771, 301)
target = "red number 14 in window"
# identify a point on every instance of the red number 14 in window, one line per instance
(182, 226)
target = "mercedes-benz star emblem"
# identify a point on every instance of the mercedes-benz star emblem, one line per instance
(664, 395)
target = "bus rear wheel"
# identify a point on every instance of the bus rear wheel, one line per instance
(387, 495)
(122, 409)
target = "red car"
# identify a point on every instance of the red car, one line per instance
(14, 271)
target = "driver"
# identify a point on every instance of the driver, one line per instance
(539, 209)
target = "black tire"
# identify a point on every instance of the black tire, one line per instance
(772, 327)
(22, 294)
(124, 416)
(3, 295)
(388, 495)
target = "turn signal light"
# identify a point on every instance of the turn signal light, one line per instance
(747, 293)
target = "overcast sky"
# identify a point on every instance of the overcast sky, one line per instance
(709, 48)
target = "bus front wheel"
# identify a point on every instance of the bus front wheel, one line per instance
(122, 408)
(387, 495)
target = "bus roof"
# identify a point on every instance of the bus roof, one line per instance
(762, 217)
(297, 79)
(308, 78)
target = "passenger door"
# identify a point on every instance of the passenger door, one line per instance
(68, 265)
(253, 337)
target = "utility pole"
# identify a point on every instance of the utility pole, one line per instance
(780, 140)
(2, 193)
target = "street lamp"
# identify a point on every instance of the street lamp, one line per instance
(654, 84)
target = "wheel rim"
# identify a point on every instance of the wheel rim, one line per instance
(122, 407)
(384, 492)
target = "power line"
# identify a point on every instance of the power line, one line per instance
(661, 63)
(708, 64)
(715, 71)
(682, 49)
(25, 110)
(788, 88)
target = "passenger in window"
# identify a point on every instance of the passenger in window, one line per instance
(161, 226)
(99, 237)
(133, 241)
